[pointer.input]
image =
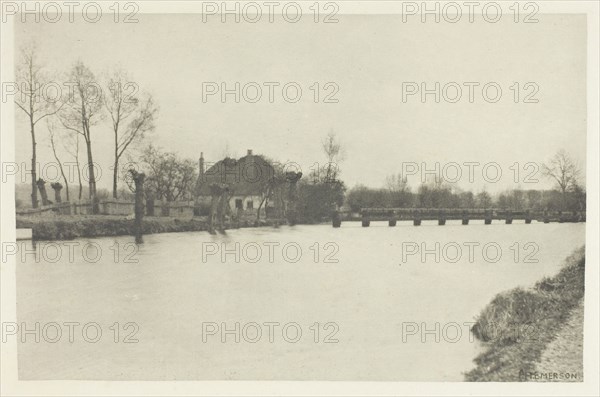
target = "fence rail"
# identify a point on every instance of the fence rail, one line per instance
(115, 207)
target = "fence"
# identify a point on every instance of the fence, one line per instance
(114, 207)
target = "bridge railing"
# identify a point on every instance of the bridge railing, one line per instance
(392, 215)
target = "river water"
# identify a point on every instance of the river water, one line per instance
(303, 302)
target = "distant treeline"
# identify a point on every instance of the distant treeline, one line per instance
(445, 196)
(322, 194)
(568, 193)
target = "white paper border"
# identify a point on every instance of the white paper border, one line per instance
(11, 386)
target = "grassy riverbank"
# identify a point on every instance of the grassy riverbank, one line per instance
(66, 227)
(71, 227)
(519, 325)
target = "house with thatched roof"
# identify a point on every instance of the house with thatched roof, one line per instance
(247, 180)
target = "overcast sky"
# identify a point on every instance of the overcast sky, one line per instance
(368, 57)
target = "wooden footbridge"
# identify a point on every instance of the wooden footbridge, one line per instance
(417, 215)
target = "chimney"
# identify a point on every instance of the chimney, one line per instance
(249, 152)
(201, 163)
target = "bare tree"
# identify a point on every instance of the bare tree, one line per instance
(71, 146)
(131, 117)
(396, 183)
(52, 132)
(36, 107)
(168, 176)
(271, 178)
(484, 200)
(82, 111)
(226, 152)
(562, 170)
(334, 153)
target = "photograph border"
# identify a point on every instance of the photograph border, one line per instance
(11, 386)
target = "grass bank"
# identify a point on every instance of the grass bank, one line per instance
(518, 325)
(68, 227)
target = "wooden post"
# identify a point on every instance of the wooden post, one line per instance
(365, 221)
(527, 217)
(138, 178)
(509, 217)
(392, 219)
(488, 217)
(441, 218)
(417, 218)
(336, 220)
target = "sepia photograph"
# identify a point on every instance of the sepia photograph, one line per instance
(299, 198)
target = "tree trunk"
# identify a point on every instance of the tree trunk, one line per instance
(61, 168)
(79, 178)
(78, 167)
(139, 205)
(292, 197)
(57, 188)
(220, 207)
(41, 184)
(34, 197)
(258, 210)
(92, 181)
(214, 200)
(116, 167)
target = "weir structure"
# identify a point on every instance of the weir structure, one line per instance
(441, 215)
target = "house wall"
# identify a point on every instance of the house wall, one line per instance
(245, 200)
(206, 201)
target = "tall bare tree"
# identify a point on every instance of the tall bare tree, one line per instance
(132, 116)
(36, 106)
(71, 146)
(52, 132)
(563, 171)
(83, 110)
(334, 153)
